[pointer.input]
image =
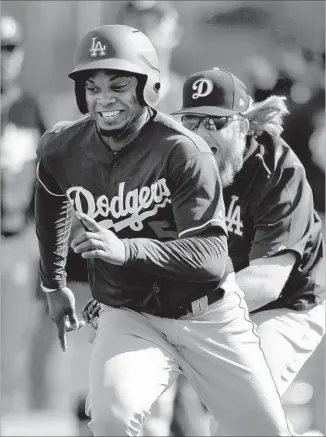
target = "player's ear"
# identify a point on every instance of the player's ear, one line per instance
(244, 127)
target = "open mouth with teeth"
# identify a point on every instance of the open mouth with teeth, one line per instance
(110, 115)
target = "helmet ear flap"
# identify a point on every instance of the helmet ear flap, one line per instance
(151, 92)
(144, 91)
(81, 96)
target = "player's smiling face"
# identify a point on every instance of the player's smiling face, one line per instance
(112, 99)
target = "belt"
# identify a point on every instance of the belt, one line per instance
(198, 306)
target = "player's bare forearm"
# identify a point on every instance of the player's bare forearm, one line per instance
(262, 282)
(255, 287)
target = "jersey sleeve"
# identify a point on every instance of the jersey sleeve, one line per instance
(194, 259)
(53, 219)
(197, 199)
(283, 219)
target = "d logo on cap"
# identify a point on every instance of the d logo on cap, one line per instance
(203, 87)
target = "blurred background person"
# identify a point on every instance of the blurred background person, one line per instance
(21, 127)
(28, 341)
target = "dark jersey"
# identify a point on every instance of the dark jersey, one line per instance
(269, 210)
(21, 129)
(170, 101)
(162, 186)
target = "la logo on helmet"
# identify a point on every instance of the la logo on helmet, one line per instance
(203, 87)
(97, 49)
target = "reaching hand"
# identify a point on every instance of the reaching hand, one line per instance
(62, 309)
(99, 243)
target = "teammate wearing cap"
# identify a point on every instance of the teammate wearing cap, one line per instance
(147, 193)
(21, 128)
(275, 235)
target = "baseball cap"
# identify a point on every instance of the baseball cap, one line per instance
(214, 92)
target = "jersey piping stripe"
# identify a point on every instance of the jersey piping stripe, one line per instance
(215, 221)
(44, 186)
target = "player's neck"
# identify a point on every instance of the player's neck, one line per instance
(117, 140)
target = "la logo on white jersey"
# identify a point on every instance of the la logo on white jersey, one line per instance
(203, 87)
(97, 49)
(233, 217)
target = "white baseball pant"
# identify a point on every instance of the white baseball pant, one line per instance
(288, 339)
(137, 356)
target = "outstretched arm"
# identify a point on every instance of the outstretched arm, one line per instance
(197, 258)
(53, 216)
(263, 280)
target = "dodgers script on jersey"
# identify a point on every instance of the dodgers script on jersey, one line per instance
(267, 207)
(169, 196)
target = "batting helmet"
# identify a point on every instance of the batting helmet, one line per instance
(117, 47)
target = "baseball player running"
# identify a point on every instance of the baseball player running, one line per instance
(148, 194)
(275, 235)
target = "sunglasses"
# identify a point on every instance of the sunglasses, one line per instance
(192, 122)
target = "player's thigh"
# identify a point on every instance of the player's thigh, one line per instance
(131, 365)
(159, 422)
(288, 338)
(190, 415)
(225, 365)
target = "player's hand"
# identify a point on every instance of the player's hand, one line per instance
(91, 312)
(62, 310)
(99, 243)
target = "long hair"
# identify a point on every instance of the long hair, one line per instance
(266, 116)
